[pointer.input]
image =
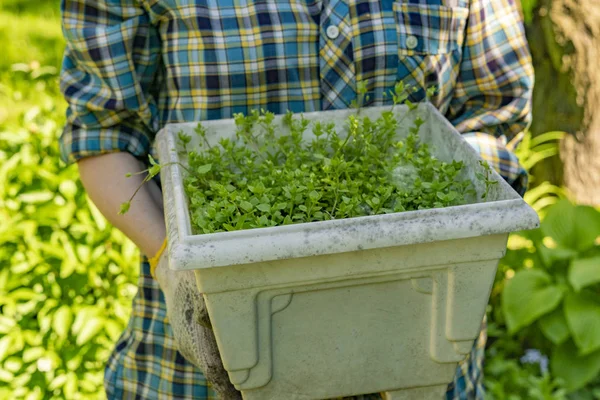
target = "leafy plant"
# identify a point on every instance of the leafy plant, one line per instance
(556, 293)
(506, 348)
(485, 178)
(264, 179)
(509, 378)
(530, 152)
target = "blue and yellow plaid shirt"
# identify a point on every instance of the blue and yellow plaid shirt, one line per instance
(132, 66)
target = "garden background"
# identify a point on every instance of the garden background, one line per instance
(67, 277)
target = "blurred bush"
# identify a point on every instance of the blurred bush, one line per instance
(66, 277)
(544, 313)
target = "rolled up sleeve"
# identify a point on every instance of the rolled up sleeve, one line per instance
(109, 71)
(491, 105)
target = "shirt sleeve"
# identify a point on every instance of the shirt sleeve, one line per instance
(110, 66)
(491, 105)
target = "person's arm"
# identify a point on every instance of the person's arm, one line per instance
(104, 180)
(109, 70)
(491, 104)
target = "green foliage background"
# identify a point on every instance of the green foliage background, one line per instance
(67, 277)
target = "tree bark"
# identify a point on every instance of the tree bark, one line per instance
(564, 38)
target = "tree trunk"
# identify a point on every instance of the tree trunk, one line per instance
(564, 38)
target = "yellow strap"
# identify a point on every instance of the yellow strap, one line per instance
(154, 260)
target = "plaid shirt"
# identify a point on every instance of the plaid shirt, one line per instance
(132, 66)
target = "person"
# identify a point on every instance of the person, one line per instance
(132, 66)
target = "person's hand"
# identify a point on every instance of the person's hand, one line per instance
(180, 290)
(154, 261)
(190, 322)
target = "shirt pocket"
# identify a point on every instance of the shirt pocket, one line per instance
(429, 29)
(430, 39)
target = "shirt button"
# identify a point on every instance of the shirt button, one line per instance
(412, 42)
(333, 32)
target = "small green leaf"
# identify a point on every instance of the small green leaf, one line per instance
(264, 207)
(558, 223)
(527, 296)
(576, 371)
(33, 353)
(240, 222)
(83, 316)
(151, 159)
(13, 364)
(431, 91)
(571, 226)
(124, 208)
(6, 376)
(361, 87)
(185, 139)
(114, 329)
(58, 382)
(584, 272)
(551, 255)
(587, 226)
(91, 328)
(6, 324)
(96, 215)
(68, 188)
(204, 169)
(70, 387)
(62, 320)
(5, 343)
(153, 171)
(583, 316)
(246, 206)
(280, 206)
(22, 294)
(554, 326)
(35, 197)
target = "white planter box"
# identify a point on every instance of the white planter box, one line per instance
(386, 303)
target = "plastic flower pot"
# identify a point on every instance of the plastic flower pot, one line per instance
(387, 303)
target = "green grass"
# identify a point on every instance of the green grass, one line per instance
(37, 7)
(32, 49)
(27, 38)
(30, 31)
